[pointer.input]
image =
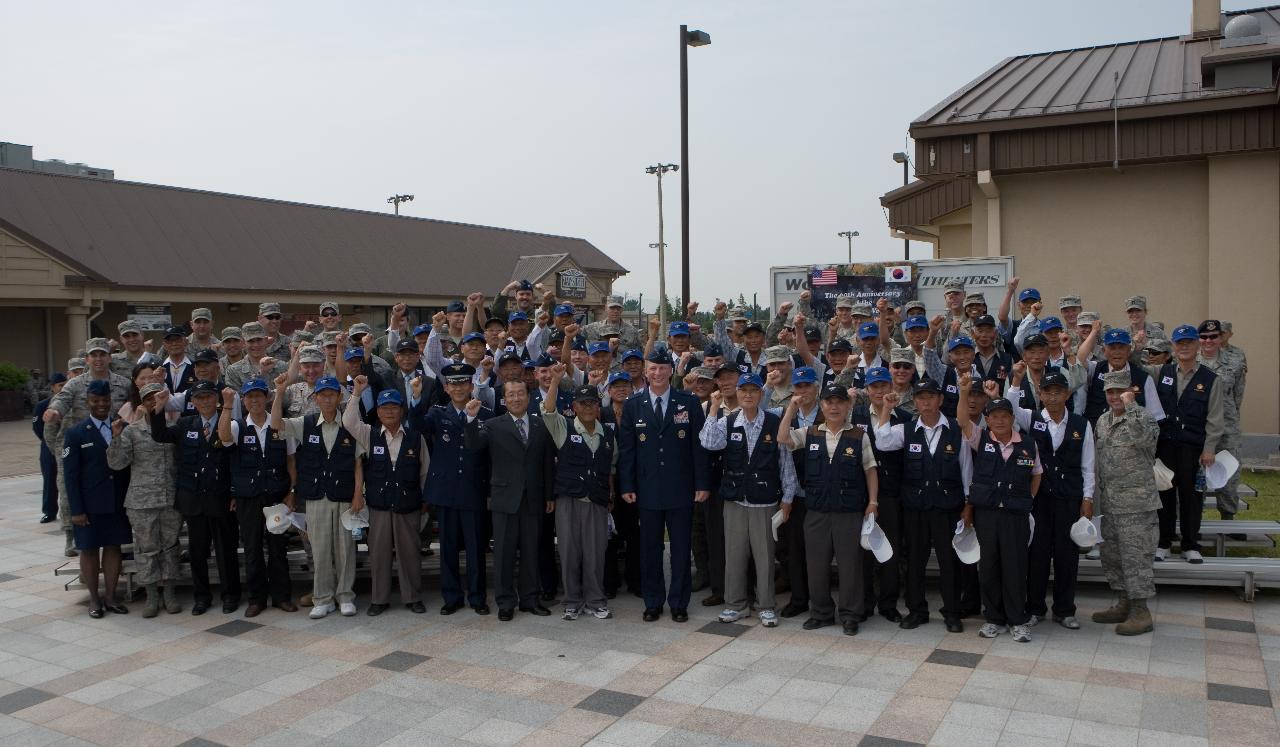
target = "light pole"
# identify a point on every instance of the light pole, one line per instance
(659, 170)
(397, 199)
(687, 39)
(901, 157)
(849, 235)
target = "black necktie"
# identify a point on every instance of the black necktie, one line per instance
(657, 411)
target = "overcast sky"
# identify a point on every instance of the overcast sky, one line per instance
(537, 116)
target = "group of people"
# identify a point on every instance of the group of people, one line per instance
(588, 457)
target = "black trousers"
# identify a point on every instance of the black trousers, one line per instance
(1003, 535)
(220, 533)
(461, 525)
(926, 530)
(712, 510)
(791, 553)
(548, 573)
(269, 578)
(623, 549)
(1052, 544)
(881, 582)
(970, 590)
(517, 534)
(1182, 505)
(49, 472)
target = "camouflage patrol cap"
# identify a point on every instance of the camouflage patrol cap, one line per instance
(844, 302)
(1067, 302)
(329, 306)
(149, 389)
(303, 335)
(76, 364)
(270, 307)
(359, 328)
(914, 303)
(327, 338)
(610, 330)
(737, 315)
(310, 354)
(129, 325)
(777, 354)
(902, 355)
(202, 313)
(1086, 318)
(1116, 380)
(1135, 302)
(1226, 326)
(231, 333)
(253, 331)
(953, 286)
(975, 299)
(1158, 345)
(704, 372)
(862, 309)
(97, 343)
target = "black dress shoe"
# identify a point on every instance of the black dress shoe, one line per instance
(450, 608)
(714, 600)
(814, 623)
(230, 606)
(680, 615)
(482, 609)
(96, 613)
(286, 606)
(652, 613)
(792, 609)
(46, 519)
(416, 607)
(548, 596)
(200, 607)
(536, 609)
(376, 609)
(892, 616)
(850, 627)
(506, 615)
(954, 625)
(913, 621)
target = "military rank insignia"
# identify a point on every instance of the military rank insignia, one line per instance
(642, 438)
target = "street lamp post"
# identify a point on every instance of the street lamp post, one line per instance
(901, 157)
(849, 235)
(687, 39)
(397, 199)
(661, 246)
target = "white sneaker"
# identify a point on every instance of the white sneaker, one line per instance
(570, 613)
(1162, 554)
(603, 613)
(321, 610)
(730, 615)
(769, 618)
(1193, 556)
(347, 609)
(1033, 621)
(1020, 633)
(1094, 554)
(990, 630)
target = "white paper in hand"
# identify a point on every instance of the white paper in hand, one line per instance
(777, 522)
(1217, 474)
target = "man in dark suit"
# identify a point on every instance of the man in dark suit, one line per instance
(521, 479)
(663, 469)
(96, 493)
(48, 463)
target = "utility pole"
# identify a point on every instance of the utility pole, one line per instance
(661, 246)
(849, 235)
(397, 199)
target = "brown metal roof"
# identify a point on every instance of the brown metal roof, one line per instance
(535, 267)
(922, 202)
(145, 235)
(1072, 81)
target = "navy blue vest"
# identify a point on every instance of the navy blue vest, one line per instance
(388, 487)
(329, 475)
(1185, 416)
(1062, 476)
(888, 464)
(1001, 483)
(838, 485)
(202, 462)
(581, 473)
(932, 480)
(754, 478)
(254, 473)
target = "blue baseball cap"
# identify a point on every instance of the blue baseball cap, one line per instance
(517, 316)
(100, 387)
(868, 329)
(1117, 336)
(1030, 294)
(804, 375)
(617, 376)
(877, 374)
(564, 308)
(961, 341)
(599, 346)
(455, 307)
(353, 354)
(327, 384)
(750, 379)
(1184, 332)
(1050, 323)
(678, 328)
(389, 397)
(632, 353)
(472, 336)
(58, 377)
(422, 329)
(916, 322)
(254, 385)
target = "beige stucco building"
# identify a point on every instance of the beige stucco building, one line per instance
(1150, 167)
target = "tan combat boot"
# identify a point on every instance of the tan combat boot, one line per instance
(1118, 612)
(1139, 621)
(153, 602)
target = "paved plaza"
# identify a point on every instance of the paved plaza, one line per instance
(1209, 675)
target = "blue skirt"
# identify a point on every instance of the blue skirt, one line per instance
(104, 530)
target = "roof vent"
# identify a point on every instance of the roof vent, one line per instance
(1243, 31)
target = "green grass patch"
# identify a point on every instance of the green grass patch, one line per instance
(1266, 505)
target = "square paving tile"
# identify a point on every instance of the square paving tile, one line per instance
(198, 742)
(611, 702)
(1242, 695)
(732, 630)
(20, 699)
(398, 661)
(1222, 623)
(954, 658)
(234, 628)
(872, 740)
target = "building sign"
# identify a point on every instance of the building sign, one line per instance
(154, 317)
(571, 283)
(864, 282)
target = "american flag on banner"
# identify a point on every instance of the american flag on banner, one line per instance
(824, 277)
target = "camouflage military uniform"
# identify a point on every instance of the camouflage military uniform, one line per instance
(241, 371)
(194, 346)
(280, 348)
(149, 502)
(122, 363)
(1230, 377)
(628, 335)
(71, 403)
(1126, 496)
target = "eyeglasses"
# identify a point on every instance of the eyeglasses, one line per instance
(1209, 337)
(325, 313)
(272, 317)
(901, 366)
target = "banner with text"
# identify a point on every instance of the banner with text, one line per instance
(864, 282)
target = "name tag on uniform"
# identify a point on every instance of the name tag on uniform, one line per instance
(379, 450)
(738, 437)
(915, 448)
(193, 434)
(812, 447)
(680, 417)
(1167, 380)
(1024, 462)
(1039, 425)
(251, 439)
(576, 438)
(313, 439)
(990, 447)
(639, 423)
(86, 446)
(952, 388)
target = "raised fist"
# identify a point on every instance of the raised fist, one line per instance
(955, 327)
(964, 380)
(361, 383)
(267, 365)
(1036, 308)
(146, 345)
(597, 376)
(715, 399)
(799, 322)
(548, 298)
(475, 299)
(415, 384)
(398, 310)
(117, 426)
(653, 326)
(692, 308)
(805, 296)
(438, 320)
(936, 322)
(1019, 370)
(281, 379)
(613, 344)
(558, 371)
(472, 408)
(486, 364)
(785, 308)
(543, 319)
(720, 309)
(992, 388)
(1013, 283)
(311, 326)
(773, 379)
(1129, 396)
(229, 395)
(571, 331)
(892, 399)
(833, 323)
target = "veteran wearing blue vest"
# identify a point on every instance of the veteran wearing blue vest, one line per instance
(96, 494)
(204, 493)
(457, 486)
(1117, 351)
(259, 479)
(887, 575)
(395, 469)
(663, 469)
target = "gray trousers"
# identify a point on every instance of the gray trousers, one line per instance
(748, 535)
(387, 528)
(1128, 550)
(834, 534)
(1228, 496)
(333, 553)
(582, 534)
(155, 543)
